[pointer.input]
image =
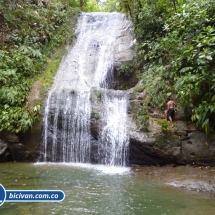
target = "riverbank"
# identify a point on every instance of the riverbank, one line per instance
(193, 178)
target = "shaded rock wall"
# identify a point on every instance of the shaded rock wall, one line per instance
(22, 147)
(182, 144)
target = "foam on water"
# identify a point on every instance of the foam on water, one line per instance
(99, 168)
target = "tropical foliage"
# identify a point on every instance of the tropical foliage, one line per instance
(176, 41)
(29, 34)
(31, 30)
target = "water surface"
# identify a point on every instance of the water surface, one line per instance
(91, 189)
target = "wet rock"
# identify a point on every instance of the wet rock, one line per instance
(3, 150)
(181, 133)
(11, 138)
(12, 149)
(184, 137)
(168, 147)
(94, 128)
(35, 95)
(193, 185)
(199, 179)
(18, 152)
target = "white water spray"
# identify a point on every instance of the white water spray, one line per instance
(114, 141)
(101, 39)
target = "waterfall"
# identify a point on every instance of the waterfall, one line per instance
(69, 126)
(114, 141)
(89, 64)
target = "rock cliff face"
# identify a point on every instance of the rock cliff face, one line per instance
(182, 144)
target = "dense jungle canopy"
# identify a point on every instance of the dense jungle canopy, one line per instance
(175, 54)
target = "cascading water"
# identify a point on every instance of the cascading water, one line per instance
(89, 64)
(114, 141)
(66, 126)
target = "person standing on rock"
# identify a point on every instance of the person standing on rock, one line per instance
(170, 112)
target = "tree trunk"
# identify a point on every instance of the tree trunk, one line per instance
(174, 4)
(81, 3)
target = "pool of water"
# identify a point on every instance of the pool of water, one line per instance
(94, 189)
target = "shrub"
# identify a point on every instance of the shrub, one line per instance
(165, 125)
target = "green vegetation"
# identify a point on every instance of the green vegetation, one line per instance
(176, 41)
(175, 54)
(47, 76)
(30, 34)
(140, 88)
(99, 95)
(73, 91)
(165, 125)
(126, 69)
(95, 115)
(142, 119)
